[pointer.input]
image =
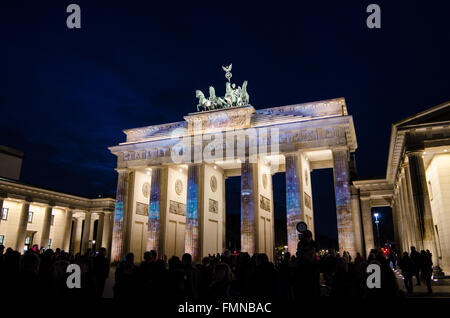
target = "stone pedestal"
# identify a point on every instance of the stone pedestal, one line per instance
(220, 120)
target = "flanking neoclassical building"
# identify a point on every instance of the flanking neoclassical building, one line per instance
(417, 185)
(31, 215)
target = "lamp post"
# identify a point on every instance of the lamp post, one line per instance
(377, 222)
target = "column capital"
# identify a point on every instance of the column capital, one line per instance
(123, 170)
(405, 165)
(339, 148)
(414, 152)
(364, 197)
(28, 200)
(290, 153)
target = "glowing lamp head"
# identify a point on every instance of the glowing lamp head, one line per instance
(376, 215)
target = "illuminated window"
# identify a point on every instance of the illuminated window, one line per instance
(2, 239)
(30, 217)
(49, 242)
(5, 213)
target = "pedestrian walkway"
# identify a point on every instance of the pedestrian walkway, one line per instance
(441, 287)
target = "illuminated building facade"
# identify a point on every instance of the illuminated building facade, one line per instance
(171, 178)
(49, 219)
(417, 186)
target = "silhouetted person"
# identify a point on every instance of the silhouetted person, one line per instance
(101, 269)
(29, 280)
(176, 278)
(265, 280)
(125, 276)
(426, 269)
(221, 284)
(307, 273)
(191, 277)
(407, 267)
(359, 260)
(415, 258)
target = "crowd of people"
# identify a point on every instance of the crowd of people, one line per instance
(419, 265)
(43, 273)
(304, 275)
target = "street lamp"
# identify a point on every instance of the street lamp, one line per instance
(377, 222)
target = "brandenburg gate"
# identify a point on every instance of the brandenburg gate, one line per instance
(171, 177)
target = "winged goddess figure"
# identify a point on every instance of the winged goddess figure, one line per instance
(227, 70)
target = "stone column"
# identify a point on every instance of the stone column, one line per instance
(401, 209)
(194, 206)
(422, 202)
(46, 226)
(294, 213)
(120, 216)
(224, 215)
(106, 239)
(86, 232)
(396, 228)
(356, 217)
(76, 235)
(401, 220)
(366, 212)
(346, 236)
(413, 214)
(156, 210)
(1, 208)
(67, 230)
(22, 228)
(100, 225)
(248, 233)
(406, 212)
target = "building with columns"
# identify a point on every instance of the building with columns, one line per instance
(50, 219)
(171, 178)
(417, 186)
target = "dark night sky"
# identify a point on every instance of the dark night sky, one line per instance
(66, 94)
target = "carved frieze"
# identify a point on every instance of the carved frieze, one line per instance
(213, 206)
(141, 208)
(177, 208)
(264, 203)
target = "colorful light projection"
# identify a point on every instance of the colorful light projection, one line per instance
(154, 211)
(247, 208)
(191, 237)
(118, 230)
(343, 209)
(293, 203)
